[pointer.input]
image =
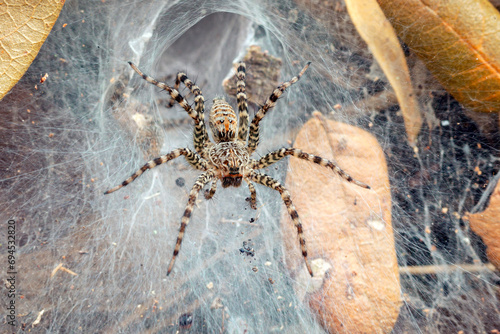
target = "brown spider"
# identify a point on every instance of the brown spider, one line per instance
(228, 159)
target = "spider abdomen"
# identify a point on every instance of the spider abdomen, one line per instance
(223, 121)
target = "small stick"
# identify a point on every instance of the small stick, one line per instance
(438, 269)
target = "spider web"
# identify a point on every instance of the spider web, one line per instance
(94, 122)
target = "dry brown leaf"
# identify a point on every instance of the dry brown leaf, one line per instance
(459, 41)
(348, 229)
(24, 26)
(378, 33)
(487, 225)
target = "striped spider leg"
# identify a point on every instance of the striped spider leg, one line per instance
(200, 132)
(191, 157)
(269, 182)
(241, 97)
(253, 194)
(210, 193)
(253, 138)
(202, 180)
(277, 155)
(200, 136)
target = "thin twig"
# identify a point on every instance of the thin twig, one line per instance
(438, 269)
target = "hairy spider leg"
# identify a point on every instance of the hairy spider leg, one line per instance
(210, 193)
(202, 180)
(200, 131)
(241, 97)
(253, 194)
(190, 156)
(253, 138)
(176, 87)
(268, 181)
(277, 155)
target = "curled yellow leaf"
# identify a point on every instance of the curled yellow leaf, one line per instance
(459, 41)
(24, 25)
(377, 32)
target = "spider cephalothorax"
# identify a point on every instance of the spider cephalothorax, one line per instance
(228, 159)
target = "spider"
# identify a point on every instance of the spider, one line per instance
(227, 159)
